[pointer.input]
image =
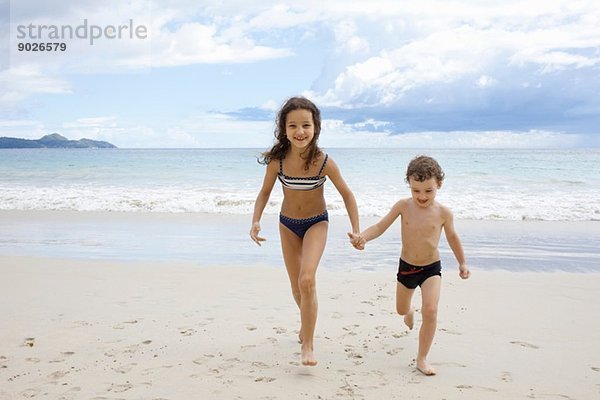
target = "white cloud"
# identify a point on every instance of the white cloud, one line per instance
(436, 43)
(221, 130)
(485, 81)
(92, 122)
(197, 43)
(112, 129)
(346, 36)
(382, 56)
(18, 83)
(337, 134)
(25, 129)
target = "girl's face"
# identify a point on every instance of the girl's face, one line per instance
(299, 128)
(423, 193)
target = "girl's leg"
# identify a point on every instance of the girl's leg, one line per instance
(312, 250)
(403, 304)
(291, 247)
(430, 293)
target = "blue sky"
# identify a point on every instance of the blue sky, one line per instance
(385, 73)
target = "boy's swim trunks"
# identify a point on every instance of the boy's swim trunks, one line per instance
(412, 276)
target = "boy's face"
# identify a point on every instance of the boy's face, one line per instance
(423, 193)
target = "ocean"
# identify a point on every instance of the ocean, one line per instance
(541, 185)
(519, 210)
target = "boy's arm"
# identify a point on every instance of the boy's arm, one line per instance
(374, 231)
(455, 244)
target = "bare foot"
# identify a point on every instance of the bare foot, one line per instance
(409, 318)
(425, 368)
(308, 358)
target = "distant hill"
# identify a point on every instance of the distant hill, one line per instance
(53, 141)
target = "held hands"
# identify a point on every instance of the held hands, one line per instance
(463, 271)
(254, 234)
(357, 240)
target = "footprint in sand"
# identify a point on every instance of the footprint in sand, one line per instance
(29, 342)
(487, 389)
(257, 364)
(278, 330)
(506, 376)
(122, 326)
(350, 353)
(525, 344)
(57, 375)
(450, 332)
(120, 388)
(202, 360)
(187, 331)
(595, 369)
(246, 347)
(123, 369)
(395, 351)
(266, 379)
(251, 327)
(30, 393)
(350, 329)
(452, 364)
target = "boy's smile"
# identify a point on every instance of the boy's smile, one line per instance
(423, 193)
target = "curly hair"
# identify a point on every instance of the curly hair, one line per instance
(423, 168)
(279, 150)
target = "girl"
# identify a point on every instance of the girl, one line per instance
(302, 168)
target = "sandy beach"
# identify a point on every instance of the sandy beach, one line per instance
(84, 329)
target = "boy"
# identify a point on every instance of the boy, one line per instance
(422, 221)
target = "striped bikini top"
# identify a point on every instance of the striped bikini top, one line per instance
(301, 183)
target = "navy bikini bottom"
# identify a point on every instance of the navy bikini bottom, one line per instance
(300, 226)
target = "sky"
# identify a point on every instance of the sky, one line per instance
(385, 73)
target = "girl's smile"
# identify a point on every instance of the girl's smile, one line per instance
(299, 127)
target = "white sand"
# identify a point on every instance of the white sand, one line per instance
(81, 329)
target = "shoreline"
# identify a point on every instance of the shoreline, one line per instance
(103, 329)
(222, 239)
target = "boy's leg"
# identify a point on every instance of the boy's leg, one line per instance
(430, 293)
(403, 304)
(312, 249)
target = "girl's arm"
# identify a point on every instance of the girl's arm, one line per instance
(455, 244)
(333, 172)
(261, 201)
